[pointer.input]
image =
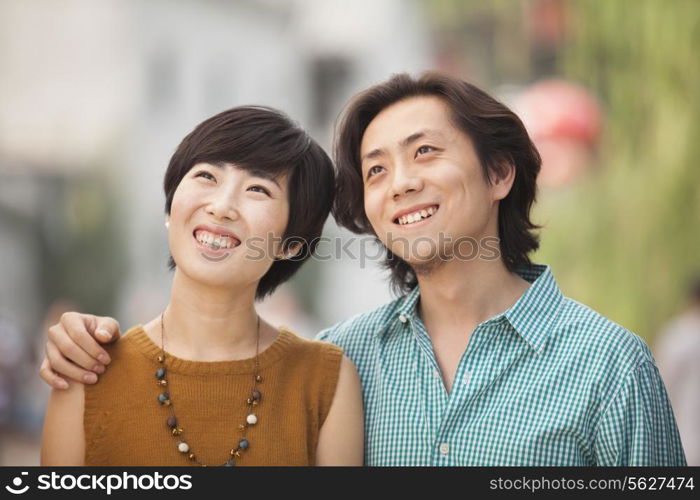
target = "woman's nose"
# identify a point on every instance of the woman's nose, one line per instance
(222, 206)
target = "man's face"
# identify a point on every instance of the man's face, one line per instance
(424, 190)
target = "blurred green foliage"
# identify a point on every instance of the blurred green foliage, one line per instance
(84, 259)
(625, 238)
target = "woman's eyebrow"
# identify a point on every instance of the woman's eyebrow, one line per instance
(264, 174)
(253, 172)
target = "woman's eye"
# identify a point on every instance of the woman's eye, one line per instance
(374, 170)
(259, 189)
(424, 150)
(205, 174)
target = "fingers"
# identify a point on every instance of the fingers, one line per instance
(64, 367)
(67, 347)
(50, 376)
(107, 330)
(78, 338)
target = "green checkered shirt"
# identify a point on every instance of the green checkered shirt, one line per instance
(547, 382)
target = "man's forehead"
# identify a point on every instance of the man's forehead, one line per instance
(397, 124)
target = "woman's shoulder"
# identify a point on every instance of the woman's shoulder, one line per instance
(132, 341)
(309, 347)
(130, 354)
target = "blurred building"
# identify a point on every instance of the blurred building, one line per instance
(95, 98)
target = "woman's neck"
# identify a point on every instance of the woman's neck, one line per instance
(204, 323)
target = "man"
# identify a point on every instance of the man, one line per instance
(482, 361)
(677, 353)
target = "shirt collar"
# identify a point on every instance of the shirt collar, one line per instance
(534, 314)
(407, 309)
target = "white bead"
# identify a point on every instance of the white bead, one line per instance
(183, 447)
(252, 419)
(402, 318)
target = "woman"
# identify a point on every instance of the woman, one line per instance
(207, 382)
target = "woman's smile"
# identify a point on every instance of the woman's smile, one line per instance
(215, 241)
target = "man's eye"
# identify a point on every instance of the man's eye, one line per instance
(374, 170)
(259, 189)
(205, 174)
(424, 149)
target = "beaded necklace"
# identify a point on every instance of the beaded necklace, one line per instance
(172, 421)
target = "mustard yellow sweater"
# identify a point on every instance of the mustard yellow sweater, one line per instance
(126, 425)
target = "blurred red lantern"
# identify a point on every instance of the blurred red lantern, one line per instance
(564, 120)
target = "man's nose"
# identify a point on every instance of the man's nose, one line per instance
(406, 180)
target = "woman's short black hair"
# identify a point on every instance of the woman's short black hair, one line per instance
(258, 138)
(499, 139)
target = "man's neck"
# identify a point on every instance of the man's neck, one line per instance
(460, 295)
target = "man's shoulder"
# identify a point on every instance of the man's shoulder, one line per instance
(603, 341)
(359, 329)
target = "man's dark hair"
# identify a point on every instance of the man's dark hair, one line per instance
(499, 138)
(265, 141)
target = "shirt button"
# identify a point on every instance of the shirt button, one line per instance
(444, 449)
(402, 318)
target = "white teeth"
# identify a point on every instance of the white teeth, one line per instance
(214, 241)
(417, 216)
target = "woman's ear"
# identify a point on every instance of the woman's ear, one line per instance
(293, 250)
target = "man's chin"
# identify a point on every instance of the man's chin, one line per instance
(427, 265)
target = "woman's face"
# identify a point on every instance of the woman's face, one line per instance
(227, 224)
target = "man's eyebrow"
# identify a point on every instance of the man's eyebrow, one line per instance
(419, 135)
(376, 153)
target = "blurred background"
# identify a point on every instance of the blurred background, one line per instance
(96, 95)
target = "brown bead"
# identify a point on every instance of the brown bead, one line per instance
(249, 401)
(163, 382)
(258, 378)
(241, 426)
(161, 358)
(191, 456)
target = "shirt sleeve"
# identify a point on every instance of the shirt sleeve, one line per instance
(324, 335)
(638, 427)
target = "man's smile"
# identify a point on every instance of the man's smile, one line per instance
(415, 214)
